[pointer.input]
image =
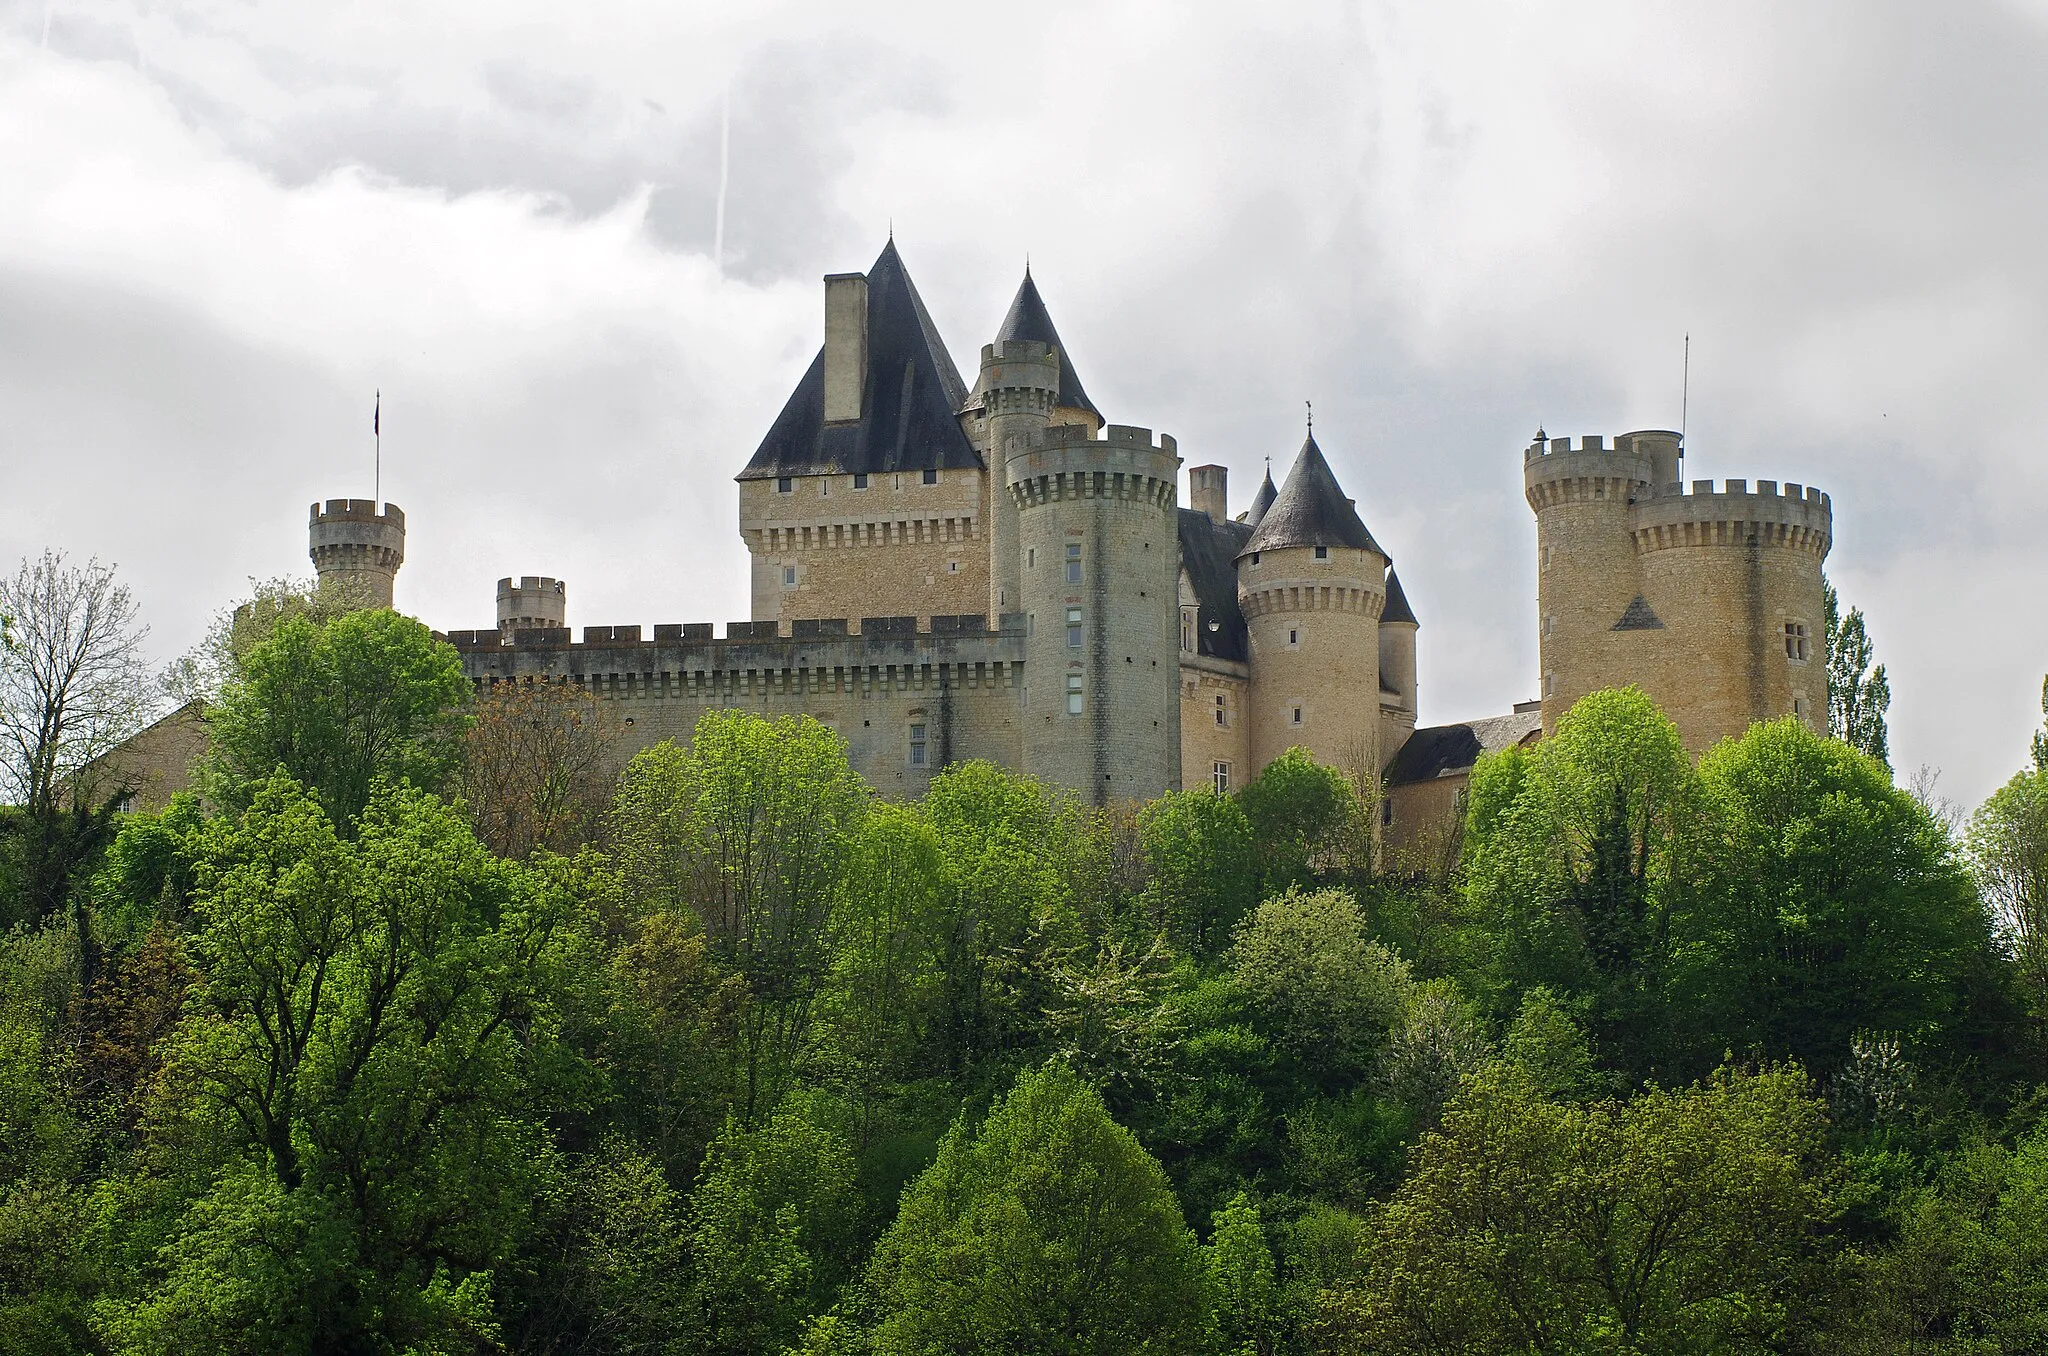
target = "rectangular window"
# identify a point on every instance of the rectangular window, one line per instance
(1073, 694)
(1322, 553)
(1795, 641)
(860, 480)
(1221, 772)
(1073, 628)
(917, 744)
(1073, 562)
(1030, 557)
(1222, 714)
(952, 567)
(784, 485)
(931, 477)
(1799, 706)
(1293, 638)
(1294, 715)
(789, 576)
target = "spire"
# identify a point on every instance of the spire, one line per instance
(1397, 609)
(1263, 500)
(1028, 319)
(1311, 510)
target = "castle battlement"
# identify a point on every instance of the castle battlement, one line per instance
(1798, 517)
(356, 511)
(1063, 461)
(969, 626)
(354, 546)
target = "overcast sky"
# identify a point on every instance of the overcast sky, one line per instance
(223, 225)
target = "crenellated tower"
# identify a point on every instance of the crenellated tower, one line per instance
(1096, 520)
(357, 549)
(532, 602)
(1019, 380)
(1709, 600)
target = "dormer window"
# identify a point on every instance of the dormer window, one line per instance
(931, 476)
(785, 485)
(860, 480)
(1322, 553)
(1255, 557)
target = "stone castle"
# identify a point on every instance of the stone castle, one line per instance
(944, 571)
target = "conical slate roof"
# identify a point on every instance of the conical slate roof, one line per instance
(1028, 319)
(1263, 500)
(909, 406)
(1311, 510)
(1397, 609)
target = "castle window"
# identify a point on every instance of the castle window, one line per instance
(1549, 624)
(1222, 713)
(789, 576)
(1550, 684)
(1322, 553)
(931, 477)
(1386, 812)
(1221, 773)
(1795, 641)
(1031, 558)
(860, 480)
(952, 567)
(1073, 694)
(917, 746)
(1294, 714)
(1255, 557)
(785, 485)
(1799, 707)
(1293, 638)
(1187, 632)
(1073, 562)
(1073, 628)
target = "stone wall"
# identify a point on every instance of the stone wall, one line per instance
(1215, 721)
(1313, 627)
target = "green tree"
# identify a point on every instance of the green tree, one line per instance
(1302, 816)
(2008, 844)
(1199, 856)
(1329, 993)
(337, 706)
(1858, 694)
(2040, 748)
(1243, 1287)
(1679, 1222)
(1049, 1230)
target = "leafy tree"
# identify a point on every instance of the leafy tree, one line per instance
(1684, 1221)
(204, 672)
(1328, 992)
(1050, 1230)
(613, 1272)
(1302, 816)
(338, 706)
(888, 934)
(1243, 1286)
(1199, 854)
(537, 767)
(2040, 746)
(2008, 842)
(1858, 694)
(1549, 1046)
(1824, 902)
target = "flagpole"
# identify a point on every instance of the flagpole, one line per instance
(377, 432)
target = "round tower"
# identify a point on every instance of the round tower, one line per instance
(1586, 571)
(1397, 630)
(1312, 584)
(1097, 526)
(357, 549)
(1020, 379)
(535, 601)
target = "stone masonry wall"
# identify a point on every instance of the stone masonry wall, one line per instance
(1215, 721)
(898, 546)
(1315, 649)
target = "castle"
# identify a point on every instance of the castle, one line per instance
(944, 571)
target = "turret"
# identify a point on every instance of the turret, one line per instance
(1019, 380)
(1312, 583)
(356, 549)
(532, 603)
(1397, 668)
(1097, 523)
(1209, 491)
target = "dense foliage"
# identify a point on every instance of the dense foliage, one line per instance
(413, 1037)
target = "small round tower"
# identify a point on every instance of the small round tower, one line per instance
(534, 601)
(1311, 582)
(1020, 379)
(1098, 528)
(356, 549)
(1397, 669)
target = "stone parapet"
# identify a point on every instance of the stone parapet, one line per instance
(1063, 462)
(1798, 517)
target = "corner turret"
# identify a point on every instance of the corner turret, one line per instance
(356, 549)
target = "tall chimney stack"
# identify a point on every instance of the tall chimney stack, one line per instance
(846, 345)
(1209, 491)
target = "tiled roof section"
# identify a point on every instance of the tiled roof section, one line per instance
(909, 406)
(1397, 609)
(1263, 500)
(1028, 319)
(1208, 552)
(1447, 750)
(1637, 616)
(1311, 510)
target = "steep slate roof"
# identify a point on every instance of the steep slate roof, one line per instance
(1311, 510)
(1263, 500)
(1447, 750)
(909, 407)
(1028, 319)
(1397, 609)
(1208, 552)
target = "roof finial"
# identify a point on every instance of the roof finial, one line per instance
(1541, 437)
(1311, 419)
(892, 230)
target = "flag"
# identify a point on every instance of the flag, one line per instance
(377, 417)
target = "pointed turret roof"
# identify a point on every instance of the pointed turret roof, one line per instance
(1263, 500)
(1028, 319)
(1311, 510)
(1397, 609)
(909, 405)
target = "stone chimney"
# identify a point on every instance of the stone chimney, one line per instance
(846, 345)
(1209, 491)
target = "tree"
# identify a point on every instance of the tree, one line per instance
(72, 687)
(537, 767)
(1049, 1230)
(1858, 694)
(2040, 749)
(2008, 842)
(338, 706)
(1328, 992)
(1199, 856)
(1242, 1285)
(1680, 1222)
(1303, 816)
(205, 671)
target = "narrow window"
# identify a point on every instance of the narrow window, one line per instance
(1322, 553)
(1073, 562)
(1073, 628)
(1293, 637)
(952, 567)
(1222, 713)
(789, 576)
(1073, 694)
(1031, 557)
(917, 745)
(784, 485)
(1549, 624)
(1799, 706)
(931, 476)
(1294, 716)
(1187, 634)
(824, 487)
(860, 480)
(1386, 813)
(1221, 773)
(1255, 557)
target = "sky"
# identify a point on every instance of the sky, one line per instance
(225, 225)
